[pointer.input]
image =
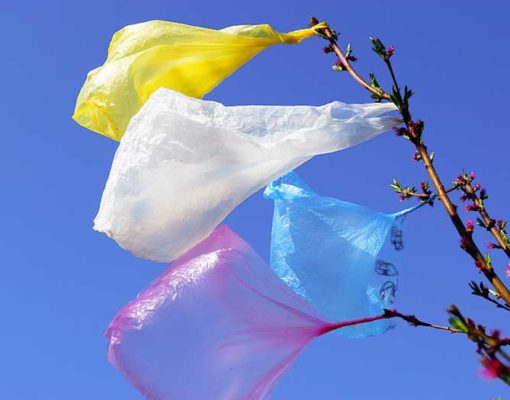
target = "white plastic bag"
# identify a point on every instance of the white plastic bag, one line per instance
(184, 163)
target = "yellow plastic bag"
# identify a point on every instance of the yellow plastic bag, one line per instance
(146, 56)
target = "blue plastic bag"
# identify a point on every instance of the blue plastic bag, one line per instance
(339, 256)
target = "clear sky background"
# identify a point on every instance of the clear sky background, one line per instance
(61, 282)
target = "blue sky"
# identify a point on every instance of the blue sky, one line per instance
(62, 282)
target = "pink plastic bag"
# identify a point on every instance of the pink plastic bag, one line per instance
(218, 324)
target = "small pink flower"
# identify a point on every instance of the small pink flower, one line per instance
(471, 207)
(507, 271)
(493, 368)
(469, 225)
(491, 245)
(472, 176)
(480, 265)
(460, 181)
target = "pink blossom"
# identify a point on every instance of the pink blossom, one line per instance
(471, 207)
(480, 265)
(390, 52)
(493, 368)
(469, 225)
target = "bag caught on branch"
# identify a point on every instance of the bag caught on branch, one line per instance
(218, 324)
(185, 163)
(147, 56)
(339, 256)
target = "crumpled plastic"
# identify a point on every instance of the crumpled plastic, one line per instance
(218, 324)
(146, 56)
(185, 163)
(340, 257)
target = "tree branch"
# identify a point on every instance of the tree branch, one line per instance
(414, 132)
(388, 314)
(488, 221)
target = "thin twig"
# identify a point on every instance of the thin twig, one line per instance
(488, 221)
(497, 303)
(348, 66)
(388, 314)
(412, 320)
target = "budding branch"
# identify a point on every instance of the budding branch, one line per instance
(415, 136)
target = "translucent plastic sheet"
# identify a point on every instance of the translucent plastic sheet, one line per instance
(144, 57)
(339, 256)
(185, 163)
(218, 324)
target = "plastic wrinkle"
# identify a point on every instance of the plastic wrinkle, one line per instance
(340, 257)
(184, 164)
(218, 324)
(147, 56)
